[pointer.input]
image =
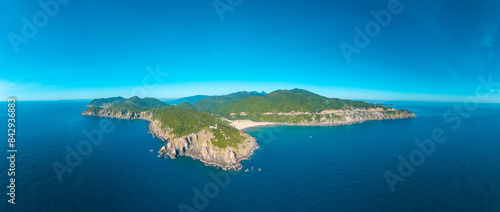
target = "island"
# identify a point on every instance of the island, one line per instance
(209, 129)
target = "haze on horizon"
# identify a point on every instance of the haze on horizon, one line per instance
(427, 50)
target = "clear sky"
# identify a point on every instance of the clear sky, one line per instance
(429, 50)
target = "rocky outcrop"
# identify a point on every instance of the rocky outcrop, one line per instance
(199, 146)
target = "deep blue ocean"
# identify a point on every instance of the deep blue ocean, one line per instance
(303, 168)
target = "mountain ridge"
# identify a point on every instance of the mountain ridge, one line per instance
(207, 104)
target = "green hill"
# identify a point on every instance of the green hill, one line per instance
(122, 105)
(209, 103)
(107, 102)
(286, 101)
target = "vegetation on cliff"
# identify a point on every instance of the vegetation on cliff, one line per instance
(184, 122)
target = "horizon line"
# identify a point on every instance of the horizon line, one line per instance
(364, 100)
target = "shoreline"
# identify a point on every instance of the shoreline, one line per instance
(244, 124)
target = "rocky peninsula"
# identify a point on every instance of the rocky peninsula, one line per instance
(209, 130)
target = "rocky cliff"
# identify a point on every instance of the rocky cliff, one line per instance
(199, 146)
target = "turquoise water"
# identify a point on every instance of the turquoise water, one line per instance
(303, 168)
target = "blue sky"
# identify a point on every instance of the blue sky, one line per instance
(430, 50)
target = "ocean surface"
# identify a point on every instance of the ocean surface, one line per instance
(302, 168)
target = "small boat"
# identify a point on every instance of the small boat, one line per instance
(151, 150)
(246, 170)
(252, 167)
(259, 169)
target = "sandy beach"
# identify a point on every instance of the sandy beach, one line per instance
(242, 124)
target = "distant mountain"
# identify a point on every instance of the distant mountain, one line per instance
(209, 103)
(189, 99)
